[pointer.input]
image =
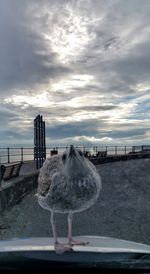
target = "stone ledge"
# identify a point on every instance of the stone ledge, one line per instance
(12, 191)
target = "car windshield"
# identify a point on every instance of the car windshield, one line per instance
(74, 116)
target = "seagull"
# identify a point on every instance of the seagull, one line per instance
(67, 183)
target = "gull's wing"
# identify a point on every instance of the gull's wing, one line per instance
(50, 166)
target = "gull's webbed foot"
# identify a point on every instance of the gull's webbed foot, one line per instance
(77, 242)
(61, 248)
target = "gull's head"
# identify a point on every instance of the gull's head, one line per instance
(74, 163)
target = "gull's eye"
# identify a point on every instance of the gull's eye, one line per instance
(64, 157)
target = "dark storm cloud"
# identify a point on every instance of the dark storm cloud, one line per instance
(133, 69)
(89, 127)
(97, 108)
(5, 115)
(12, 135)
(70, 130)
(11, 128)
(120, 59)
(129, 133)
(70, 110)
(24, 58)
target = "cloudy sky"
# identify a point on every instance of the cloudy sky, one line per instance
(84, 65)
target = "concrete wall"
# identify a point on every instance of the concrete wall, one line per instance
(12, 191)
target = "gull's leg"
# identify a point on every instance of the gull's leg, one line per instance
(53, 228)
(71, 241)
(60, 248)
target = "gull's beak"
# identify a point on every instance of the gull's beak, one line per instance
(72, 151)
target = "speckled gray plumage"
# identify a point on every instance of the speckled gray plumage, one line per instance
(61, 193)
(50, 167)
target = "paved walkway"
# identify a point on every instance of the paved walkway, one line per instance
(122, 210)
(28, 167)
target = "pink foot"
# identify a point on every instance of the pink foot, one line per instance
(62, 248)
(77, 242)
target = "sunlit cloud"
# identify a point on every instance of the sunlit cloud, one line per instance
(70, 36)
(81, 140)
(142, 87)
(75, 81)
(92, 139)
(40, 100)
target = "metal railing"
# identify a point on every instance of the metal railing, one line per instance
(12, 154)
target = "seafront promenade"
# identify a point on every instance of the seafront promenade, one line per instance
(122, 210)
(28, 167)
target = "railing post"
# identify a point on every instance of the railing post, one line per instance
(8, 156)
(0, 171)
(115, 150)
(22, 154)
(125, 150)
(106, 149)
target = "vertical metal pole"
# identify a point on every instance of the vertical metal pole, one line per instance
(0, 171)
(34, 139)
(22, 154)
(39, 148)
(8, 156)
(44, 141)
(39, 141)
(115, 150)
(106, 149)
(125, 150)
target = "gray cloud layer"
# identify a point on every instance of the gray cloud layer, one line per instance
(92, 59)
